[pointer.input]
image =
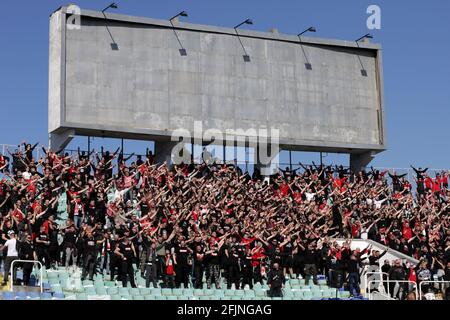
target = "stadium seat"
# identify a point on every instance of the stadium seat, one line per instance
(198, 292)
(81, 296)
(20, 294)
(144, 291)
(46, 296)
(166, 292)
(8, 295)
(112, 290)
(188, 292)
(156, 291)
(58, 295)
(34, 295)
(134, 291)
(124, 291)
(209, 292)
(307, 295)
(90, 291)
(138, 297)
(101, 291)
(260, 293)
(177, 292)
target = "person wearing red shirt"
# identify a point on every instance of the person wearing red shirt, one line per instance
(428, 183)
(437, 185)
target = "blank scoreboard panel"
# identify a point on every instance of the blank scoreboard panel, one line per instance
(125, 75)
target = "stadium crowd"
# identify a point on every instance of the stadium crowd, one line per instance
(176, 224)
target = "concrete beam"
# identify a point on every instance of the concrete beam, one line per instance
(359, 162)
(60, 140)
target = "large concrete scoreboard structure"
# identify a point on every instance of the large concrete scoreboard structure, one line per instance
(123, 76)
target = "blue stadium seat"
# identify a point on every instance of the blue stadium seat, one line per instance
(46, 295)
(7, 295)
(58, 295)
(34, 295)
(21, 294)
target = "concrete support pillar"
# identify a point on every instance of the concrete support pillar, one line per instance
(163, 151)
(360, 161)
(172, 152)
(58, 141)
(265, 161)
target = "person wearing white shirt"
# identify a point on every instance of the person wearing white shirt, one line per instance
(11, 255)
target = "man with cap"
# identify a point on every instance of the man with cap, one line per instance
(11, 255)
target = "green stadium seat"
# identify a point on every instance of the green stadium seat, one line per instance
(166, 292)
(204, 298)
(156, 291)
(177, 292)
(126, 297)
(116, 297)
(307, 295)
(135, 291)
(124, 291)
(101, 291)
(81, 296)
(188, 292)
(230, 293)
(249, 293)
(89, 290)
(198, 292)
(172, 298)
(149, 297)
(298, 295)
(145, 291)
(138, 297)
(208, 292)
(112, 290)
(260, 293)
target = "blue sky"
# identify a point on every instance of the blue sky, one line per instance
(414, 35)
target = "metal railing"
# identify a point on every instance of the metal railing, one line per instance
(29, 261)
(428, 282)
(368, 288)
(396, 282)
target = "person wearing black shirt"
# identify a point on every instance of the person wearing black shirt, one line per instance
(42, 247)
(233, 269)
(311, 260)
(353, 265)
(26, 252)
(213, 262)
(126, 252)
(69, 245)
(183, 265)
(106, 251)
(275, 280)
(53, 253)
(385, 268)
(199, 268)
(151, 266)
(90, 256)
(247, 269)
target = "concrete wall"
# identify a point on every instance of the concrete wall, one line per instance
(144, 87)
